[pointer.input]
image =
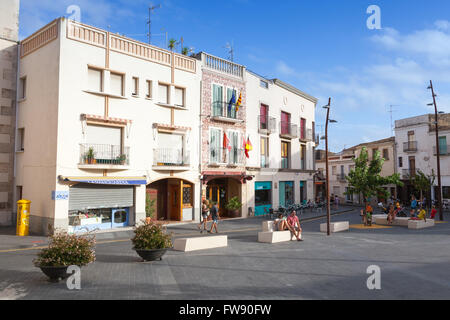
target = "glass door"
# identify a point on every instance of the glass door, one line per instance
(120, 218)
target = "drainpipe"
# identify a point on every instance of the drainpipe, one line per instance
(14, 211)
(200, 152)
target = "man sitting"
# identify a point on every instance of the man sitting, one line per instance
(294, 225)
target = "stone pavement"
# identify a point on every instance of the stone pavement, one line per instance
(414, 265)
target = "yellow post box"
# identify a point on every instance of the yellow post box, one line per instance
(23, 217)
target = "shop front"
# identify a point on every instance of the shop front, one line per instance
(101, 204)
(263, 197)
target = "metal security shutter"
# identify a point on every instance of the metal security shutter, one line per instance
(86, 196)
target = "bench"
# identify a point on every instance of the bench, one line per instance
(335, 226)
(200, 243)
(269, 235)
(420, 224)
(398, 221)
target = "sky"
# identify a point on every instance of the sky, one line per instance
(322, 47)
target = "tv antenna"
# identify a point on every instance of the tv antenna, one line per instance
(230, 48)
(391, 111)
(149, 22)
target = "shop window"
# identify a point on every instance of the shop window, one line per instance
(187, 196)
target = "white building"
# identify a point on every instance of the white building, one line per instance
(103, 121)
(415, 139)
(280, 126)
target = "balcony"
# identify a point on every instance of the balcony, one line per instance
(408, 173)
(288, 130)
(171, 159)
(341, 177)
(410, 146)
(306, 135)
(266, 124)
(233, 157)
(221, 65)
(443, 151)
(226, 112)
(104, 156)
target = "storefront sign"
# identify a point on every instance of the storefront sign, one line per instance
(60, 195)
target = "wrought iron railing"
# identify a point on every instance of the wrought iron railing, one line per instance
(410, 146)
(104, 154)
(408, 173)
(229, 156)
(443, 150)
(266, 124)
(226, 110)
(170, 157)
(288, 129)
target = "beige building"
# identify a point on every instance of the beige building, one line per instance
(342, 163)
(104, 122)
(9, 33)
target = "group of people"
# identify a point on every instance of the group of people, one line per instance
(207, 211)
(290, 223)
(418, 211)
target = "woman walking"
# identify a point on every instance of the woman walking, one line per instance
(205, 214)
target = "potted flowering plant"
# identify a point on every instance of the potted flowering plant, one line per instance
(65, 250)
(151, 241)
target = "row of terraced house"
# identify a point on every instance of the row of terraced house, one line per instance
(105, 126)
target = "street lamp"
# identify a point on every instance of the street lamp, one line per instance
(438, 151)
(326, 164)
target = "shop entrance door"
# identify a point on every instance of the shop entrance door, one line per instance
(174, 202)
(120, 218)
(217, 193)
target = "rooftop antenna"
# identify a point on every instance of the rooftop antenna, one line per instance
(230, 48)
(391, 111)
(149, 22)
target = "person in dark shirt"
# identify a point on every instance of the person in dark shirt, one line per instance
(215, 218)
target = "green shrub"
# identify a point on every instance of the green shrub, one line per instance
(234, 204)
(150, 236)
(67, 250)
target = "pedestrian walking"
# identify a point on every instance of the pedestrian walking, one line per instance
(205, 214)
(413, 206)
(215, 218)
(336, 202)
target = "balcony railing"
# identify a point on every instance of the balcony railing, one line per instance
(233, 156)
(408, 173)
(341, 177)
(443, 150)
(306, 135)
(288, 130)
(410, 146)
(266, 124)
(164, 157)
(222, 65)
(226, 111)
(96, 154)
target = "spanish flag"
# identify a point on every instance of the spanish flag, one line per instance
(248, 147)
(239, 102)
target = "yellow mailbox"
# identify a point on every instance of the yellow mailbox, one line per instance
(23, 217)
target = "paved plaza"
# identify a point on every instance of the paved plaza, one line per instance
(415, 264)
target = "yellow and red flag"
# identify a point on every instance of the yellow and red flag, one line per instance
(239, 102)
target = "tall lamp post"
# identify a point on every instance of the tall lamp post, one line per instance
(326, 164)
(438, 151)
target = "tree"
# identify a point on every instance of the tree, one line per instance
(172, 44)
(422, 182)
(366, 180)
(185, 51)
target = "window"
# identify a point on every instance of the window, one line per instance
(264, 152)
(374, 152)
(95, 80)
(215, 145)
(302, 129)
(217, 101)
(386, 154)
(187, 195)
(285, 150)
(116, 84)
(285, 123)
(443, 145)
(314, 130)
(149, 89)
(234, 153)
(170, 150)
(302, 156)
(23, 88)
(135, 84)
(20, 139)
(264, 84)
(400, 162)
(179, 97)
(103, 143)
(263, 118)
(231, 108)
(163, 93)
(333, 170)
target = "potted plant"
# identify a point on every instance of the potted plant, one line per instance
(122, 158)
(65, 250)
(90, 155)
(234, 205)
(151, 241)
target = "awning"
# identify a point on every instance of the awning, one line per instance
(131, 181)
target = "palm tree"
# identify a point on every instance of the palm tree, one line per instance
(172, 44)
(185, 51)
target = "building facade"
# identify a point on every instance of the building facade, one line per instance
(416, 150)
(340, 165)
(112, 128)
(9, 34)
(223, 131)
(280, 126)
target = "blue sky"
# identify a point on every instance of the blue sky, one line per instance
(323, 47)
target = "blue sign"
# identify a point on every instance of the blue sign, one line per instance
(60, 195)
